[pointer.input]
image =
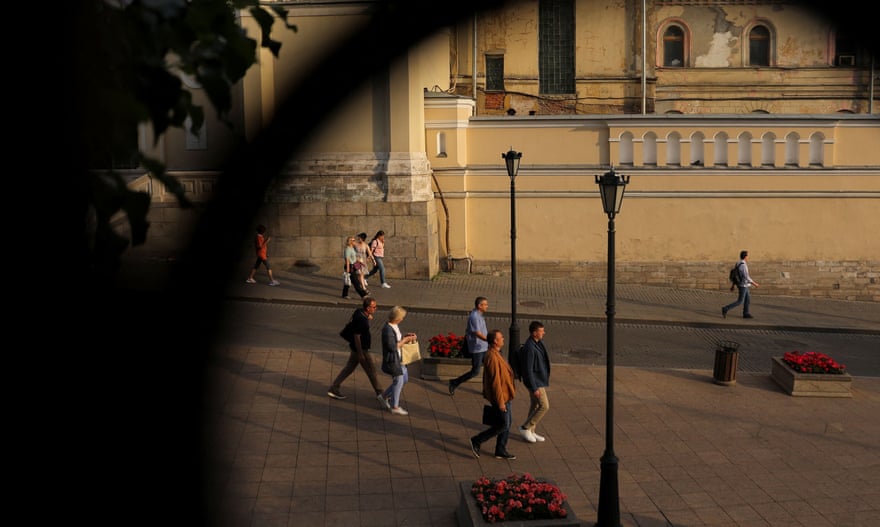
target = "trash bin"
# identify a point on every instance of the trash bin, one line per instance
(726, 359)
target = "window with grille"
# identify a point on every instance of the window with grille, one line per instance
(494, 72)
(556, 46)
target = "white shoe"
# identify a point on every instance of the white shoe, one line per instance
(274, 282)
(251, 281)
(527, 435)
(399, 411)
(539, 438)
(383, 401)
(386, 286)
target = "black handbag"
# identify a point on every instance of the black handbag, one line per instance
(492, 416)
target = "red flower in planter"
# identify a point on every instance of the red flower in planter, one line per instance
(812, 362)
(518, 498)
(445, 345)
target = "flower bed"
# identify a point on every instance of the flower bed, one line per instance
(446, 346)
(519, 499)
(833, 381)
(812, 362)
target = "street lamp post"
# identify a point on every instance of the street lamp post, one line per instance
(511, 159)
(611, 188)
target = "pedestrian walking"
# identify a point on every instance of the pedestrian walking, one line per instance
(377, 245)
(475, 335)
(535, 370)
(349, 258)
(498, 390)
(392, 363)
(357, 334)
(364, 259)
(261, 241)
(744, 284)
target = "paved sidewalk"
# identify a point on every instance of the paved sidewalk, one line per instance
(548, 298)
(692, 453)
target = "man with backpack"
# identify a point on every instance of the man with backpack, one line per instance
(740, 277)
(533, 369)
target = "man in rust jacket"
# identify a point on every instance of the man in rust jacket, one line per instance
(499, 390)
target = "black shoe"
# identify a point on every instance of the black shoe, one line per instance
(748, 316)
(452, 390)
(504, 455)
(723, 312)
(475, 448)
(336, 394)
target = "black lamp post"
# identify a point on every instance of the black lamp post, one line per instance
(511, 159)
(611, 187)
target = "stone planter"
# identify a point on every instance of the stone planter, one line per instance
(468, 515)
(443, 369)
(810, 384)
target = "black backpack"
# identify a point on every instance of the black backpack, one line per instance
(515, 358)
(735, 276)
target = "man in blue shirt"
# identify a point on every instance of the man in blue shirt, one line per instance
(476, 340)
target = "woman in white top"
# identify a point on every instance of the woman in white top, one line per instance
(392, 341)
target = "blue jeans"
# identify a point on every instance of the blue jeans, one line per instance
(476, 368)
(744, 298)
(393, 392)
(502, 432)
(380, 268)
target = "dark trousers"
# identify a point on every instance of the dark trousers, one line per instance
(501, 433)
(743, 298)
(354, 283)
(365, 361)
(476, 367)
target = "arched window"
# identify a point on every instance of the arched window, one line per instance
(721, 149)
(697, 151)
(792, 147)
(744, 155)
(673, 47)
(817, 150)
(649, 149)
(673, 149)
(759, 46)
(768, 150)
(845, 50)
(626, 149)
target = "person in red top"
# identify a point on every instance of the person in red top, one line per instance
(260, 243)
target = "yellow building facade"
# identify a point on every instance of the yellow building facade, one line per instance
(742, 125)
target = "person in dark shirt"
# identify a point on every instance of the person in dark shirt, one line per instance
(357, 333)
(536, 378)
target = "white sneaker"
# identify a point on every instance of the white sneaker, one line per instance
(251, 281)
(274, 282)
(399, 411)
(539, 438)
(386, 404)
(527, 435)
(386, 286)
